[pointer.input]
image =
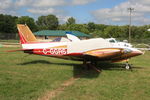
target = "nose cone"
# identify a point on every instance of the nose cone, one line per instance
(136, 52)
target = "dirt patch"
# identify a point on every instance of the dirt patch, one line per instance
(51, 94)
(8, 44)
(11, 46)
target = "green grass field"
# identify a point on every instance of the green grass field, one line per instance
(29, 77)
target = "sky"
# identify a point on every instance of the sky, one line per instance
(112, 12)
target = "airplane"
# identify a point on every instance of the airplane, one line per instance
(89, 51)
(115, 43)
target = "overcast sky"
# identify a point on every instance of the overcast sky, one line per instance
(99, 11)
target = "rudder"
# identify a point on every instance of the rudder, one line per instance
(26, 35)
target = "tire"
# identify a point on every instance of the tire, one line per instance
(127, 66)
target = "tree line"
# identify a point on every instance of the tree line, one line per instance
(51, 22)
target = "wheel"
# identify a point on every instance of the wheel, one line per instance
(127, 66)
(94, 63)
(86, 65)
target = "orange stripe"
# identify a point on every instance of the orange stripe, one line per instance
(64, 46)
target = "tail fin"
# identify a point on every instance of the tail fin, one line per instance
(26, 35)
(72, 37)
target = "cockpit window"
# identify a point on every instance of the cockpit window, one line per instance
(118, 40)
(112, 41)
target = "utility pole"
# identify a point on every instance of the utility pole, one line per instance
(130, 12)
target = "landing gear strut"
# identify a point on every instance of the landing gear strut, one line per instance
(89, 64)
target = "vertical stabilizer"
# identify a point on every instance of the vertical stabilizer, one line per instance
(26, 35)
(72, 37)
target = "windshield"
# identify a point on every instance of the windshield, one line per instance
(112, 41)
(61, 39)
(118, 40)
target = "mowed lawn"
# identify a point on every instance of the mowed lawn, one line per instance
(29, 77)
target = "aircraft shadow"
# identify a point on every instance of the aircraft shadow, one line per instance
(79, 71)
(110, 66)
(35, 62)
(115, 66)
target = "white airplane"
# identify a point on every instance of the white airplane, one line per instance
(116, 43)
(89, 51)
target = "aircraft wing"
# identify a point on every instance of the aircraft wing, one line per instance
(104, 53)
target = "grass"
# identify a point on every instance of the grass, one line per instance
(113, 83)
(26, 78)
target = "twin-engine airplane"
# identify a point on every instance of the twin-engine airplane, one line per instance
(88, 51)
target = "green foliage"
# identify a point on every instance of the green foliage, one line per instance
(49, 22)
(7, 23)
(112, 31)
(71, 21)
(97, 29)
(78, 27)
(100, 27)
(144, 32)
(97, 33)
(62, 27)
(91, 26)
(124, 31)
(27, 20)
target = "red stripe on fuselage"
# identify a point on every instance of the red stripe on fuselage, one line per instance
(51, 51)
(55, 52)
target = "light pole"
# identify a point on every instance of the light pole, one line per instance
(130, 11)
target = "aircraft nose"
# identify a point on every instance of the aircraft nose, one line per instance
(137, 52)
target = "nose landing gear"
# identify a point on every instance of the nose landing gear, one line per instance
(128, 66)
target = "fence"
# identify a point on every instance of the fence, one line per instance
(6, 36)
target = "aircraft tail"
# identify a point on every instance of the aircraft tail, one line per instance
(72, 37)
(25, 34)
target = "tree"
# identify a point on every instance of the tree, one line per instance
(97, 33)
(27, 20)
(124, 31)
(62, 27)
(78, 27)
(146, 33)
(48, 22)
(100, 27)
(112, 31)
(91, 26)
(71, 21)
(7, 23)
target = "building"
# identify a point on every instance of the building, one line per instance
(50, 35)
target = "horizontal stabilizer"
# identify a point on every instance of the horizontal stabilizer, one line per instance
(28, 50)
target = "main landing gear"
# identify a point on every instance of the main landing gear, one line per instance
(90, 65)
